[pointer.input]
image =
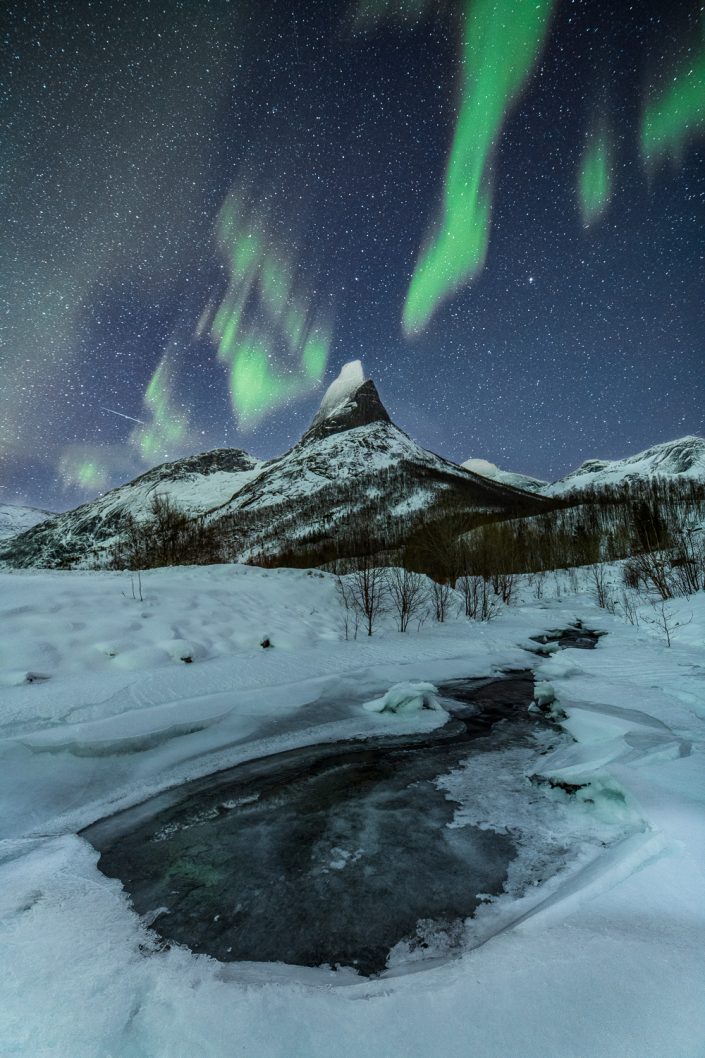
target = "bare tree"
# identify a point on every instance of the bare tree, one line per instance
(368, 585)
(479, 600)
(407, 594)
(663, 618)
(440, 598)
(600, 585)
(351, 613)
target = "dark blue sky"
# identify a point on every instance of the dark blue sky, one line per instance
(126, 125)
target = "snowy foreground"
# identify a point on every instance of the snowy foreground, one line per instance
(99, 709)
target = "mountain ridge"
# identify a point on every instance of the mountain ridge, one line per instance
(683, 457)
(353, 474)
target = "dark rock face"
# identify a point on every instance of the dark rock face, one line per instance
(361, 409)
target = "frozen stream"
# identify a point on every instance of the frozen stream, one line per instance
(332, 854)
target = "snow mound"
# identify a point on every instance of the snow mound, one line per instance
(405, 698)
(544, 693)
(486, 469)
(481, 466)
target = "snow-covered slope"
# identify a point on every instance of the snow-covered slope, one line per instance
(508, 477)
(353, 476)
(194, 484)
(16, 519)
(683, 458)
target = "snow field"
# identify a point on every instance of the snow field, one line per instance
(603, 960)
(195, 613)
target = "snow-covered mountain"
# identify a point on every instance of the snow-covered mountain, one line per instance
(194, 484)
(493, 472)
(16, 519)
(353, 478)
(683, 458)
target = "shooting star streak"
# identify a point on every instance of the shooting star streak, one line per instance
(122, 415)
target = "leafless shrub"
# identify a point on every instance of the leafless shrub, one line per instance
(440, 599)
(538, 582)
(503, 585)
(632, 576)
(406, 592)
(369, 593)
(688, 561)
(663, 618)
(600, 585)
(653, 569)
(136, 586)
(629, 607)
(168, 537)
(480, 602)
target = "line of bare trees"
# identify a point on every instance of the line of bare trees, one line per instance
(167, 537)
(368, 591)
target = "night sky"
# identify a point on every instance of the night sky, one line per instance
(208, 207)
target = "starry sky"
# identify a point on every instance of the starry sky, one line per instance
(209, 207)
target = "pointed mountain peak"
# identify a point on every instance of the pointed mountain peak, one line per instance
(350, 401)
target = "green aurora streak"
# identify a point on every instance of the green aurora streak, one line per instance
(502, 41)
(88, 473)
(674, 114)
(595, 176)
(262, 275)
(168, 425)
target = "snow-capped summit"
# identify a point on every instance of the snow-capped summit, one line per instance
(508, 477)
(349, 401)
(683, 458)
(349, 380)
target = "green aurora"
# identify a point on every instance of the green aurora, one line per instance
(502, 41)
(674, 114)
(88, 473)
(595, 176)
(272, 342)
(168, 425)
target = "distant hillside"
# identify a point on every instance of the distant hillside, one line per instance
(682, 459)
(16, 519)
